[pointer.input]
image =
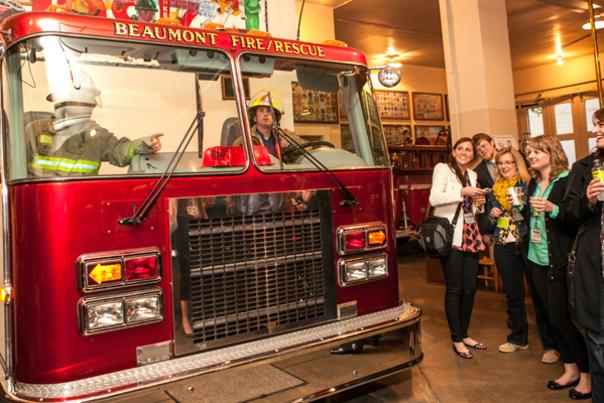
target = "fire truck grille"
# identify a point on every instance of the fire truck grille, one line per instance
(252, 275)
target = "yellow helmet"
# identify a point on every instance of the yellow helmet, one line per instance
(262, 99)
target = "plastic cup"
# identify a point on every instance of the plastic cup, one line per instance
(599, 174)
(534, 212)
(513, 193)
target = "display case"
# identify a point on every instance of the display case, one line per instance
(416, 159)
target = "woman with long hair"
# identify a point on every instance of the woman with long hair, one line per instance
(455, 196)
(550, 239)
(586, 285)
(509, 228)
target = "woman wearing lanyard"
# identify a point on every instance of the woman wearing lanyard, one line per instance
(503, 207)
(549, 242)
(455, 196)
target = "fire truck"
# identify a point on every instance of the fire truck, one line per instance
(211, 258)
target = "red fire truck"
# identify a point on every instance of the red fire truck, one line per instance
(144, 271)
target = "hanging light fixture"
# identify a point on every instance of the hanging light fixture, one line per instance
(599, 23)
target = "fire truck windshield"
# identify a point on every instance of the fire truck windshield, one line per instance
(87, 107)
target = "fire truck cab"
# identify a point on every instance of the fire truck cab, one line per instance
(127, 268)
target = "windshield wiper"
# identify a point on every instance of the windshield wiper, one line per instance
(349, 199)
(140, 214)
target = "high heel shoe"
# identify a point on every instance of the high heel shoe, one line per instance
(462, 354)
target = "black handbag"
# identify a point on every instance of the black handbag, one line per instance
(435, 235)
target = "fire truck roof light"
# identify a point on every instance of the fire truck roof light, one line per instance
(335, 42)
(105, 272)
(257, 32)
(233, 156)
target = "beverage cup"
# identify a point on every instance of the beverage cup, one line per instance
(534, 212)
(513, 193)
(598, 173)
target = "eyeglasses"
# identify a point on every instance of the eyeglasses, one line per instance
(500, 163)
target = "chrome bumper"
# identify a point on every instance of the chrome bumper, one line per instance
(400, 348)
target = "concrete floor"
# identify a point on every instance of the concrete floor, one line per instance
(490, 376)
(443, 377)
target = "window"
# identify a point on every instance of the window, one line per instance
(591, 105)
(569, 149)
(535, 118)
(82, 104)
(564, 118)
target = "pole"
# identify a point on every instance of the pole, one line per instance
(594, 37)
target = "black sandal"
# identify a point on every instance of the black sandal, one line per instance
(462, 354)
(477, 346)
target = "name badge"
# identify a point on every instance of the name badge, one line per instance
(503, 222)
(535, 236)
(469, 218)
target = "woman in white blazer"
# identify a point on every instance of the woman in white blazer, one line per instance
(454, 184)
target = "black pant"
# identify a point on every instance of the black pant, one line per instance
(461, 269)
(552, 293)
(511, 267)
(546, 331)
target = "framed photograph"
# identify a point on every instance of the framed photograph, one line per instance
(228, 91)
(428, 106)
(393, 104)
(312, 106)
(430, 135)
(398, 135)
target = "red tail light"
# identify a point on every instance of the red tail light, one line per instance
(141, 268)
(354, 240)
(117, 269)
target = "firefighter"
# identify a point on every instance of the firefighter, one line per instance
(72, 144)
(260, 114)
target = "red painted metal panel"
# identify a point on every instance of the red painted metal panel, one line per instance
(26, 24)
(54, 223)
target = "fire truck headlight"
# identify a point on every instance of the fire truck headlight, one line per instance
(143, 309)
(107, 313)
(360, 270)
(103, 316)
(353, 271)
(377, 267)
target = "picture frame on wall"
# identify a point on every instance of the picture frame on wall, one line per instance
(398, 135)
(428, 106)
(226, 83)
(313, 106)
(393, 104)
(429, 135)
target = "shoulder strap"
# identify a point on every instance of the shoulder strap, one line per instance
(456, 214)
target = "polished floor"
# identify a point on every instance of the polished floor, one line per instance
(490, 376)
